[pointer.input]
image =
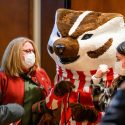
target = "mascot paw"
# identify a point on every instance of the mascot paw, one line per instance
(82, 113)
(63, 87)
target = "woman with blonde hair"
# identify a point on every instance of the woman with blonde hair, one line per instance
(22, 80)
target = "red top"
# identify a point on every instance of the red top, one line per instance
(12, 89)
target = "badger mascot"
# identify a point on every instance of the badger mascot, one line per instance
(80, 41)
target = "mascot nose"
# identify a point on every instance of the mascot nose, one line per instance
(59, 49)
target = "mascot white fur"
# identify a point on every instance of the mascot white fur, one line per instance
(79, 43)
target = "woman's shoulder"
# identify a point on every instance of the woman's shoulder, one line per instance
(41, 71)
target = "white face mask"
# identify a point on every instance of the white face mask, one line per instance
(29, 60)
(118, 68)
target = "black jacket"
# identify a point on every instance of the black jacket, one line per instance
(115, 113)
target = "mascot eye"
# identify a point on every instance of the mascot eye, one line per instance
(58, 34)
(86, 36)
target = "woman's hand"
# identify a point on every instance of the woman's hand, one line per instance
(101, 71)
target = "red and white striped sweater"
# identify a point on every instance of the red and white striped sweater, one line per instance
(81, 93)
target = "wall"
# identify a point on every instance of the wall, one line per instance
(15, 21)
(117, 6)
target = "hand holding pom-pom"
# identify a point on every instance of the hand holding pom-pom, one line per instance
(63, 87)
(82, 113)
(101, 71)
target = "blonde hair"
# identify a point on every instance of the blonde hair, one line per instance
(11, 62)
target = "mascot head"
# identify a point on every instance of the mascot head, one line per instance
(82, 40)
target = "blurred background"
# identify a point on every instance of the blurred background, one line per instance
(35, 19)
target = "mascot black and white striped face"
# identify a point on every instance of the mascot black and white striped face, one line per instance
(81, 40)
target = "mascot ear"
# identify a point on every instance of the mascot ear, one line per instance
(65, 19)
(63, 87)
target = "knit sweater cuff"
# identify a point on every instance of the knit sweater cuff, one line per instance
(95, 79)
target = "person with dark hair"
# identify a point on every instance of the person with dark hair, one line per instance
(10, 113)
(115, 111)
(22, 81)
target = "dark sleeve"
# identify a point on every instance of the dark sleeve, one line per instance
(10, 113)
(115, 113)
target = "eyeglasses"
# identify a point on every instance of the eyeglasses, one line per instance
(28, 51)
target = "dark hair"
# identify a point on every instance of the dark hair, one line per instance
(121, 48)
